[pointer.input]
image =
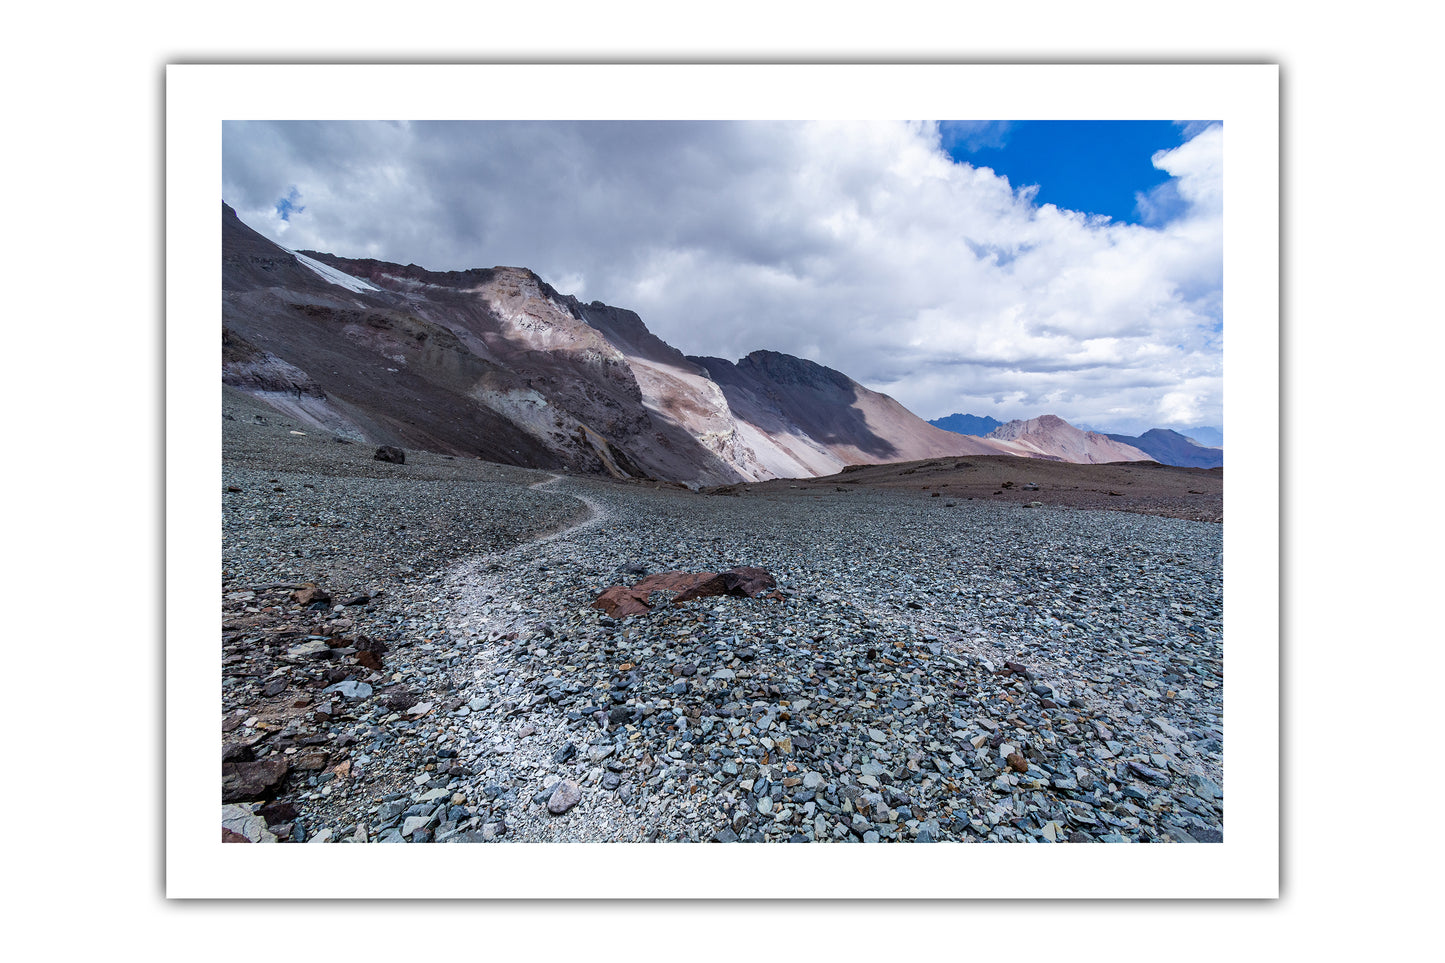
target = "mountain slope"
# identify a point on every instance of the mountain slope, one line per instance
(493, 362)
(1049, 436)
(803, 419)
(1206, 435)
(1171, 448)
(486, 362)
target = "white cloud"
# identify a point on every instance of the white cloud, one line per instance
(859, 245)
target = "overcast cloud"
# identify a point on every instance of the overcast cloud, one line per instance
(860, 246)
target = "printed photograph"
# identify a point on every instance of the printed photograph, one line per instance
(658, 481)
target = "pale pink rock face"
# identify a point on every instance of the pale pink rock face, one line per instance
(1049, 435)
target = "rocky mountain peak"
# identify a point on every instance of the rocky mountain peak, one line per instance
(1050, 435)
(496, 363)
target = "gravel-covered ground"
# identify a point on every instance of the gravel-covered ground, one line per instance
(974, 672)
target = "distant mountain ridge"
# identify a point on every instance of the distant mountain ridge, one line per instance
(1171, 448)
(1164, 445)
(1050, 436)
(1206, 435)
(977, 425)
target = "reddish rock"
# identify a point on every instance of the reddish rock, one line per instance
(312, 760)
(231, 836)
(249, 781)
(369, 652)
(277, 812)
(749, 581)
(239, 750)
(620, 601)
(687, 585)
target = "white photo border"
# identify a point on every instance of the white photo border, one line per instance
(1245, 97)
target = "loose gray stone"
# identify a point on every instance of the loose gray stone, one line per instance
(564, 797)
(414, 823)
(308, 650)
(350, 689)
(243, 820)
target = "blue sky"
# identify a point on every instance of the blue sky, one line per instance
(286, 206)
(915, 257)
(1096, 167)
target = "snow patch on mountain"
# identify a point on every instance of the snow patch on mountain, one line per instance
(336, 277)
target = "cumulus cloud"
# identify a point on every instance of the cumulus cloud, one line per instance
(862, 246)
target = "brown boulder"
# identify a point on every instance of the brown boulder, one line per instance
(312, 760)
(399, 700)
(249, 781)
(239, 750)
(620, 601)
(748, 580)
(277, 812)
(369, 652)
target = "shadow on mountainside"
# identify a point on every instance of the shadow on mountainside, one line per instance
(781, 394)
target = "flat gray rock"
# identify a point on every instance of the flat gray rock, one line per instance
(308, 650)
(350, 689)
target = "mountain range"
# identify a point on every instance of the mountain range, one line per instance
(495, 363)
(1169, 447)
(1057, 437)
